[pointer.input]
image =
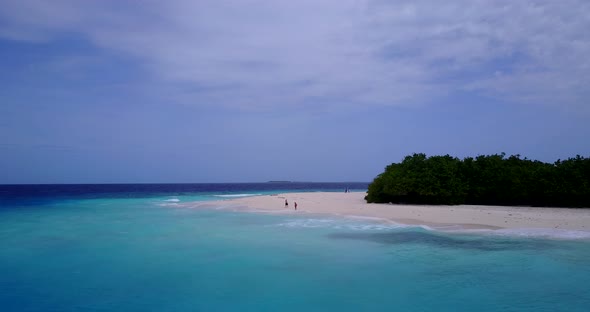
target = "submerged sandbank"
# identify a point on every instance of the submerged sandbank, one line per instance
(464, 217)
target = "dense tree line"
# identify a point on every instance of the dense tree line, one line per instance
(483, 180)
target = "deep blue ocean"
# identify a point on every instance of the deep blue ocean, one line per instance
(144, 247)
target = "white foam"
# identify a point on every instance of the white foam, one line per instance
(339, 224)
(343, 224)
(169, 205)
(515, 232)
(536, 233)
(174, 200)
(236, 195)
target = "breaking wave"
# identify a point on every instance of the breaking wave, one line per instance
(352, 225)
(236, 195)
(535, 233)
(340, 224)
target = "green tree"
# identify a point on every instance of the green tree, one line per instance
(486, 179)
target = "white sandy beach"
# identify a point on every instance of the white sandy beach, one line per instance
(466, 216)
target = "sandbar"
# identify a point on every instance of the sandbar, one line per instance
(464, 216)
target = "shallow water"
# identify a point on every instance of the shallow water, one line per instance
(143, 254)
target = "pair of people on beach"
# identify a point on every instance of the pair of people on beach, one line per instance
(287, 204)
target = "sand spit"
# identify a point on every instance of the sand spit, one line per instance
(463, 216)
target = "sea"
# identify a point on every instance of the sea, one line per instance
(164, 247)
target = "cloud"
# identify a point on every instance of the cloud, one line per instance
(334, 53)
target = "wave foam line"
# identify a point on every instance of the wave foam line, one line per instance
(535, 233)
(236, 195)
(339, 225)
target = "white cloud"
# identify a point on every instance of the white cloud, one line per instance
(266, 53)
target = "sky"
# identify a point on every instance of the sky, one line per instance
(252, 91)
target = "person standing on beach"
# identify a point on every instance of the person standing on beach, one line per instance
(286, 204)
(295, 204)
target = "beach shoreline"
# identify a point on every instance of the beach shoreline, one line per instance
(444, 218)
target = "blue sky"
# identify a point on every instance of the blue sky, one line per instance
(248, 91)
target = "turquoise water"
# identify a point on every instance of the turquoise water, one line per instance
(150, 254)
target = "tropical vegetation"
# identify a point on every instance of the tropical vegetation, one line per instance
(483, 180)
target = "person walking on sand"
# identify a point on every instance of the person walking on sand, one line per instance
(295, 204)
(286, 204)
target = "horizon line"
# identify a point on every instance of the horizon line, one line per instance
(127, 183)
